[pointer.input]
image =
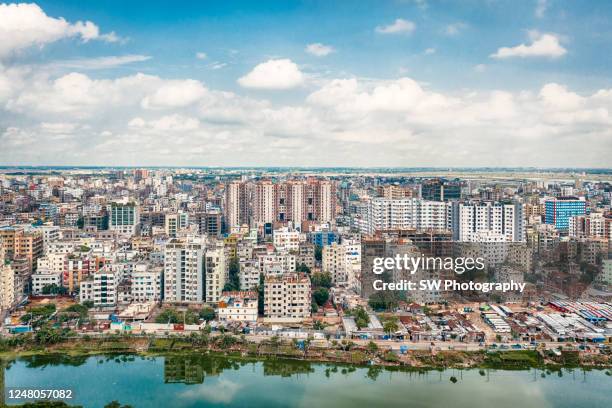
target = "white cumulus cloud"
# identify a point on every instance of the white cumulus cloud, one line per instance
(173, 94)
(274, 74)
(26, 25)
(399, 26)
(542, 45)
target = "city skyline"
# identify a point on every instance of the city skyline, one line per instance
(294, 84)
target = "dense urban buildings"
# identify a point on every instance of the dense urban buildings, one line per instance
(263, 249)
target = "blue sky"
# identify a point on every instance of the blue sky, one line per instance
(447, 48)
(257, 30)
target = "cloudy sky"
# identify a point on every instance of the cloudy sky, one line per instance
(313, 83)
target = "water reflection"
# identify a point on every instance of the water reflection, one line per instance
(194, 380)
(193, 369)
(287, 368)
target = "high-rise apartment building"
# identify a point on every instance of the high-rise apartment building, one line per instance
(558, 211)
(267, 202)
(236, 205)
(488, 222)
(184, 271)
(408, 213)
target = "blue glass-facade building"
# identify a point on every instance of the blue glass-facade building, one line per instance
(560, 210)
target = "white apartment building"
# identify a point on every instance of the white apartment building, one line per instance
(184, 271)
(101, 288)
(405, 213)
(86, 291)
(50, 233)
(287, 298)
(291, 201)
(52, 262)
(276, 263)
(147, 284)
(216, 274)
(238, 306)
(352, 253)
(249, 275)
(61, 247)
(285, 239)
(44, 277)
(488, 222)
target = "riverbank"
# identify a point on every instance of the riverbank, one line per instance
(337, 352)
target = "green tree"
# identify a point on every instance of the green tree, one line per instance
(391, 325)
(384, 300)
(321, 280)
(81, 310)
(320, 296)
(54, 289)
(360, 315)
(207, 314)
(37, 316)
(191, 317)
(168, 316)
(47, 335)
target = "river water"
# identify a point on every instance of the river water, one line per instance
(206, 381)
